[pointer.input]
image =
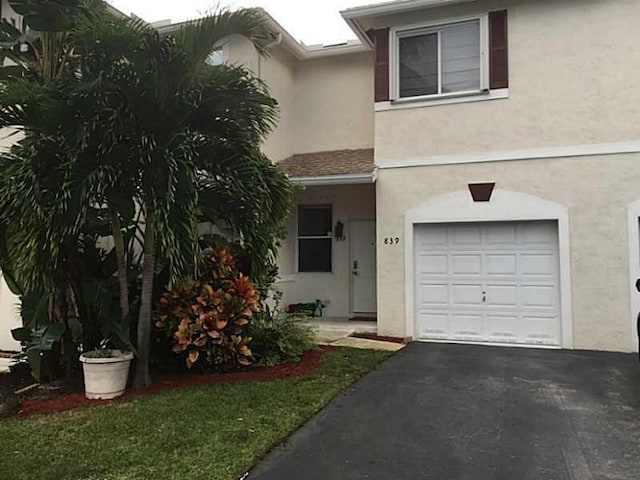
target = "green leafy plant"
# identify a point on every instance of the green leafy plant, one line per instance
(278, 337)
(206, 319)
(90, 96)
(41, 346)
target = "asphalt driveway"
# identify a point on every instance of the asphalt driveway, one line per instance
(448, 412)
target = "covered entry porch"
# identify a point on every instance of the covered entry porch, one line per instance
(329, 255)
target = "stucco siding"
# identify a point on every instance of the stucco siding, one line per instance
(9, 318)
(334, 103)
(571, 82)
(276, 70)
(596, 190)
(350, 202)
(325, 104)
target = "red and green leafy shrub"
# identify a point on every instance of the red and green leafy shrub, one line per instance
(206, 319)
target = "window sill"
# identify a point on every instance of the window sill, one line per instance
(313, 273)
(438, 101)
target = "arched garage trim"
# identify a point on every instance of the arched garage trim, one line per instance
(505, 206)
(633, 219)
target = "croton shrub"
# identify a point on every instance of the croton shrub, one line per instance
(206, 319)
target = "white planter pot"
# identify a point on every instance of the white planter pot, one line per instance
(105, 373)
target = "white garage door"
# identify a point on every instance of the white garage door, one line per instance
(488, 282)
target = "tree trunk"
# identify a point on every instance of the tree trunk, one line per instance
(75, 282)
(142, 378)
(121, 261)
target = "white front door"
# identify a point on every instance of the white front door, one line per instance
(488, 282)
(363, 266)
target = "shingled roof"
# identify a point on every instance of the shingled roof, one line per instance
(337, 162)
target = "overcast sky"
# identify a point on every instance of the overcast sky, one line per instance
(312, 21)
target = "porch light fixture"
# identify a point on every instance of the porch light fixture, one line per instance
(338, 231)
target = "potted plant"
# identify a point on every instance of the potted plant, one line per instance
(106, 371)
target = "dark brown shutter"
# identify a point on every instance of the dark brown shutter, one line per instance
(381, 58)
(498, 50)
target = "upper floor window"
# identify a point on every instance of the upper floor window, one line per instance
(441, 60)
(217, 57)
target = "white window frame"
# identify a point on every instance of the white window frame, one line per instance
(314, 237)
(406, 31)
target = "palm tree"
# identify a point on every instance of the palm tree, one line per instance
(185, 131)
(135, 120)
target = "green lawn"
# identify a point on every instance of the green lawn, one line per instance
(209, 432)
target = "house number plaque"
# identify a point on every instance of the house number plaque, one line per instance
(392, 241)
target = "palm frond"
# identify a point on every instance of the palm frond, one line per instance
(198, 38)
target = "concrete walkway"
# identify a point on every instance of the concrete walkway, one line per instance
(447, 412)
(338, 331)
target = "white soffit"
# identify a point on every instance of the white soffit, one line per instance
(353, 15)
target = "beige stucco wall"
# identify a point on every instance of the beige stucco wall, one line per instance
(573, 73)
(333, 104)
(9, 315)
(350, 202)
(9, 318)
(597, 192)
(277, 71)
(325, 104)
(8, 13)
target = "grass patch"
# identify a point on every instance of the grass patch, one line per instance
(207, 432)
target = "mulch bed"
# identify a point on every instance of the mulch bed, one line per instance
(309, 362)
(380, 338)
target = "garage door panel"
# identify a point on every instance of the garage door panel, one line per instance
(501, 264)
(501, 235)
(467, 327)
(436, 236)
(434, 295)
(434, 326)
(536, 233)
(466, 235)
(502, 296)
(466, 295)
(540, 264)
(500, 328)
(495, 282)
(542, 296)
(466, 264)
(433, 264)
(542, 330)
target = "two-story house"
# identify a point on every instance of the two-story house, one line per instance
(471, 169)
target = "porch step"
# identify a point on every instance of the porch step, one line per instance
(337, 331)
(329, 330)
(368, 344)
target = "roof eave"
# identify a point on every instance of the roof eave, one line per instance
(302, 52)
(387, 8)
(287, 41)
(367, 43)
(353, 16)
(345, 179)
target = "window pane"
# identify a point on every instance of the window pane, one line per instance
(314, 255)
(216, 57)
(461, 58)
(419, 65)
(314, 221)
